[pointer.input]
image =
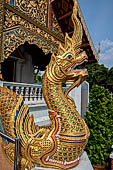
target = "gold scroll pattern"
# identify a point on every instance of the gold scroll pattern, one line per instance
(19, 35)
(17, 31)
(12, 20)
(35, 9)
(1, 23)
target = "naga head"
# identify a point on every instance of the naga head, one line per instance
(62, 66)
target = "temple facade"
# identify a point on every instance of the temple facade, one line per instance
(30, 31)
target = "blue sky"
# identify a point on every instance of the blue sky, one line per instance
(98, 15)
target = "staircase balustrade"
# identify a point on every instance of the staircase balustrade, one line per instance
(31, 93)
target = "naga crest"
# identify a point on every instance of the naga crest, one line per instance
(69, 56)
(60, 145)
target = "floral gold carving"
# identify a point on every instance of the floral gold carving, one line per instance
(19, 35)
(35, 9)
(1, 24)
(17, 31)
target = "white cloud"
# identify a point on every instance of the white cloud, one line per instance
(106, 44)
(106, 53)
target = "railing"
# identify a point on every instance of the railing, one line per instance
(31, 93)
(16, 141)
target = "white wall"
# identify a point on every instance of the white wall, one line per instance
(84, 97)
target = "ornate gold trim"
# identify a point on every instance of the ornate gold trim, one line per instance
(1, 23)
(37, 24)
(12, 39)
(17, 36)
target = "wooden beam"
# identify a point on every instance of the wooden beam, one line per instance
(66, 15)
(85, 45)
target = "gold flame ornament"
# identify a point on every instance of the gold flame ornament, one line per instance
(60, 145)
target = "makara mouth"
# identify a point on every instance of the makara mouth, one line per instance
(75, 68)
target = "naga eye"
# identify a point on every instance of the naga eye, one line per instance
(69, 56)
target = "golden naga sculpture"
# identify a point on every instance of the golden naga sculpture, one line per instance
(60, 145)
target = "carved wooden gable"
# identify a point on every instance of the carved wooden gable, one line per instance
(40, 22)
(33, 21)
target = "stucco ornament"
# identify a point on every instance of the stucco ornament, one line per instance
(60, 145)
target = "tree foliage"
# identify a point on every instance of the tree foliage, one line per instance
(110, 76)
(37, 77)
(100, 122)
(99, 74)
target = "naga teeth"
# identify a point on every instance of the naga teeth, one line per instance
(72, 69)
(81, 69)
(67, 163)
(69, 69)
(47, 159)
(64, 163)
(77, 64)
(58, 116)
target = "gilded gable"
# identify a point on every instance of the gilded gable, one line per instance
(38, 10)
(42, 22)
(35, 9)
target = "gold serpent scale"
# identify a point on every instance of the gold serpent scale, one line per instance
(60, 145)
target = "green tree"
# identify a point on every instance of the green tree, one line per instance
(101, 75)
(37, 77)
(97, 74)
(100, 122)
(110, 76)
